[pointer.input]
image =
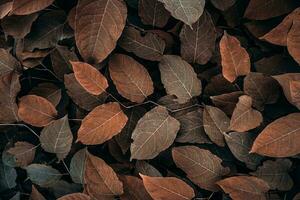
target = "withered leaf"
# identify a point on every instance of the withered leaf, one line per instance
(198, 41)
(5, 8)
(8, 62)
(215, 123)
(26, 7)
(167, 188)
(89, 78)
(77, 166)
(201, 166)
(244, 187)
(9, 89)
(275, 173)
(36, 110)
(280, 138)
(100, 179)
(219, 85)
(133, 189)
(265, 9)
(57, 138)
(18, 26)
(8, 176)
(23, 153)
(43, 175)
(244, 117)
(98, 26)
(152, 12)
(288, 82)
(154, 133)
(192, 128)
(295, 88)
(179, 78)
(187, 11)
(143, 167)
(35, 194)
(227, 101)
(224, 4)
(132, 80)
(49, 91)
(293, 40)
(80, 96)
(101, 124)
(75, 196)
(148, 46)
(235, 59)
(262, 89)
(240, 144)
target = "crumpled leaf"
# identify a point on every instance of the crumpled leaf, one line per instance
(43, 175)
(279, 138)
(23, 153)
(179, 78)
(57, 138)
(101, 124)
(92, 35)
(154, 133)
(167, 188)
(26, 7)
(201, 166)
(132, 80)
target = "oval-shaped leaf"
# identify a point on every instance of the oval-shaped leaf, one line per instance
(23, 153)
(43, 175)
(77, 166)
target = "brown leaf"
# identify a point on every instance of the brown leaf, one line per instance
(281, 138)
(148, 46)
(201, 166)
(101, 124)
(98, 24)
(288, 82)
(223, 5)
(143, 167)
(18, 26)
(262, 89)
(132, 80)
(244, 117)
(133, 189)
(186, 11)
(100, 179)
(244, 187)
(5, 8)
(154, 133)
(192, 128)
(265, 9)
(36, 110)
(49, 91)
(235, 59)
(35, 194)
(227, 101)
(216, 123)
(89, 78)
(240, 144)
(80, 96)
(75, 196)
(9, 89)
(295, 88)
(8, 62)
(168, 188)
(23, 153)
(198, 41)
(275, 173)
(179, 78)
(218, 85)
(26, 7)
(293, 40)
(152, 12)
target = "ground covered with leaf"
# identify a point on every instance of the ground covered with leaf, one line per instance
(150, 99)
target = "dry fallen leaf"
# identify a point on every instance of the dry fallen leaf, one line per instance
(293, 40)
(75, 196)
(133, 189)
(23, 153)
(26, 7)
(35, 194)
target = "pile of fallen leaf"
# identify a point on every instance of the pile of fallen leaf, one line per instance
(150, 99)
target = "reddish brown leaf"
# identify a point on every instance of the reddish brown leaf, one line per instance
(101, 124)
(36, 110)
(244, 117)
(198, 41)
(201, 166)
(26, 7)
(89, 78)
(133, 189)
(100, 179)
(23, 153)
(168, 188)
(98, 26)
(235, 59)
(244, 187)
(293, 40)
(130, 77)
(281, 138)
(75, 196)
(152, 12)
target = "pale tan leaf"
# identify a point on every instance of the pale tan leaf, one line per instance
(154, 133)
(201, 166)
(23, 153)
(36, 110)
(167, 188)
(101, 124)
